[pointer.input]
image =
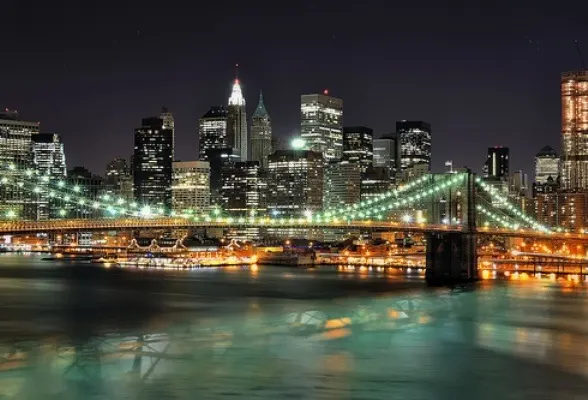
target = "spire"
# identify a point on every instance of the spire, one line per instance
(236, 98)
(260, 111)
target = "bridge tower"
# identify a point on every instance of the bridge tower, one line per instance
(451, 256)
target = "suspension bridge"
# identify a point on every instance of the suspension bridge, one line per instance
(453, 210)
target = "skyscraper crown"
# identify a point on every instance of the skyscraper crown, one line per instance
(236, 98)
(260, 111)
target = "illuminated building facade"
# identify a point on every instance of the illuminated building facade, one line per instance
(118, 179)
(414, 142)
(497, 162)
(237, 137)
(191, 186)
(574, 127)
(261, 134)
(547, 164)
(152, 164)
(358, 145)
(90, 187)
(212, 131)
(49, 160)
(295, 183)
(374, 182)
(342, 184)
(568, 210)
(321, 124)
(243, 189)
(386, 155)
(16, 148)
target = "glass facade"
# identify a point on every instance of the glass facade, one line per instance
(152, 164)
(321, 124)
(358, 145)
(574, 126)
(49, 160)
(237, 133)
(261, 134)
(118, 179)
(295, 183)
(191, 186)
(243, 188)
(547, 164)
(212, 131)
(414, 142)
(342, 184)
(16, 148)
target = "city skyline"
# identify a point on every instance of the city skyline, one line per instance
(100, 83)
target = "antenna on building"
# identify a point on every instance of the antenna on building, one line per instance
(580, 54)
(237, 71)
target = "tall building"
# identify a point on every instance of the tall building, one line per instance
(321, 124)
(414, 141)
(496, 166)
(243, 190)
(519, 184)
(91, 186)
(237, 121)
(191, 186)
(16, 148)
(574, 128)
(374, 182)
(152, 164)
(212, 131)
(295, 182)
(169, 123)
(49, 160)
(547, 165)
(386, 155)
(261, 134)
(342, 184)
(219, 159)
(563, 209)
(358, 145)
(118, 179)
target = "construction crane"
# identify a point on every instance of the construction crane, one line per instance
(580, 54)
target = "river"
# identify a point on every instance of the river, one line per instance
(77, 331)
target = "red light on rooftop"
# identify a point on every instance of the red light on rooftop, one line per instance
(326, 92)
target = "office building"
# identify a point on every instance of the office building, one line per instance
(342, 184)
(261, 134)
(496, 166)
(16, 148)
(321, 124)
(237, 136)
(374, 182)
(191, 186)
(358, 146)
(414, 142)
(243, 189)
(152, 164)
(295, 183)
(574, 127)
(212, 131)
(568, 210)
(547, 164)
(413, 173)
(519, 184)
(219, 159)
(90, 187)
(387, 155)
(118, 180)
(49, 160)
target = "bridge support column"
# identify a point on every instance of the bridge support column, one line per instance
(451, 258)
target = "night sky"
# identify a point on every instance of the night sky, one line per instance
(482, 73)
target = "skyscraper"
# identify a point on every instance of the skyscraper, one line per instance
(169, 123)
(321, 124)
(16, 148)
(497, 164)
(191, 186)
(243, 188)
(574, 128)
(49, 160)
(118, 179)
(547, 165)
(152, 164)
(295, 182)
(212, 131)
(237, 121)
(342, 184)
(414, 141)
(358, 146)
(261, 134)
(386, 155)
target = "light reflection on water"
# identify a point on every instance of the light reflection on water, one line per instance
(281, 332)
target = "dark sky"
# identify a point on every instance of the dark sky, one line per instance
(482, 73)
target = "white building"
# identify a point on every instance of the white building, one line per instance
(321, 124)
(191, 186)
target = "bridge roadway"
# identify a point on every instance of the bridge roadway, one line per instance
(88, 225)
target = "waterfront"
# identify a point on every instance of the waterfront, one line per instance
(275, 332)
